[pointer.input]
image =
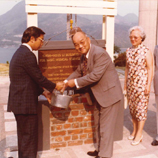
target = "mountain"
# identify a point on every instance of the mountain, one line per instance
(13, 23)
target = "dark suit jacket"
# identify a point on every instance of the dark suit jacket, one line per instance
(101, 77)
(26, 82)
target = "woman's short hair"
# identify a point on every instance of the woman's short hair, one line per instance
(31, 31)
(142, 33)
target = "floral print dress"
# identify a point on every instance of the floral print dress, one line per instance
(136, 82)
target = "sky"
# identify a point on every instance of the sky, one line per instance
(123, 6)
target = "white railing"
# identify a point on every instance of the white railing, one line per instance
(72, 7)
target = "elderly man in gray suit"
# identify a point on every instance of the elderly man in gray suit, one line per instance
(101, 79)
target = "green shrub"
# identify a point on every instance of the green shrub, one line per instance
(7, 62)
(120, 60)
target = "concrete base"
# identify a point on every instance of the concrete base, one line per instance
(43, 126)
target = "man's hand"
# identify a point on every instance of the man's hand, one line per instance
(59, 86)
(63, 89)
(48, 95)
(71, 83)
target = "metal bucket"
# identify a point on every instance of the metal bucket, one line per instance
(61, 100)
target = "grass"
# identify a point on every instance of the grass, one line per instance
(4, 69)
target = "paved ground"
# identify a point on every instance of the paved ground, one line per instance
(122, 149)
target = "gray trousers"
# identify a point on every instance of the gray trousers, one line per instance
(105, 122)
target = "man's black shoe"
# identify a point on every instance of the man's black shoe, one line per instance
(154, 143)
(92, 153)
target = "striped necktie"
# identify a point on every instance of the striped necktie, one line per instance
(84, 66)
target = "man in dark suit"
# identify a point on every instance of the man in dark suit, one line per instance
(26, 84)
(104, 87)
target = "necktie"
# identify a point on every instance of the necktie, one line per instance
(84, 66)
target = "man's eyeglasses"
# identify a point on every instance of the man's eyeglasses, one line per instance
(82, 43)
(42, 40)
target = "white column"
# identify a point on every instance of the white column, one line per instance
(104, 28)
(157, 25)
(148, 20)
(32, 20)
(68, 26)
(110, 35)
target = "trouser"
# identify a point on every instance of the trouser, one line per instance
(105, 121)
(27, 128)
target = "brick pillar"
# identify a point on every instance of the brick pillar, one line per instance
(72, 126)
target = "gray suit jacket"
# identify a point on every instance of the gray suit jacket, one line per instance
(101, 77)
(156, 70)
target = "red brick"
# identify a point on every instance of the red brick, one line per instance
(57, 145)
(83, 136)
(58, 115)
(83, 124)
(75, 131)
(67, 126)
(76, 106)
(60, 133)
(59, 127)
(66, 138)
(90, 135)
(88, 141)
(71, 120)
(87, 118)
(73, 143)
(83, 112)
(91, 123)
(74, 137)
(52, 128)
(91, 112)
(66, 114)
(88, 130)
(58, 139)
(79, 119)
(74, 113)
(51, 116)
(52, 139)
(75, 125)
(57, 121)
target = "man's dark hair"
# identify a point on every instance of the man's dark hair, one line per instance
(31, 31)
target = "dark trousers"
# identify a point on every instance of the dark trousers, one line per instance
(27, 131)
(105, 121)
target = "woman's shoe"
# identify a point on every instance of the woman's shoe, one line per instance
(137, 142)
(130, 137)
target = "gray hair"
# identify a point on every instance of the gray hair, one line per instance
(142, 33)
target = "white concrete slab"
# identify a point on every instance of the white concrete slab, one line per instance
(10, 126)
(12, 154)
(5, 107)
(9, 116)
(11, 140)
(146, 156)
